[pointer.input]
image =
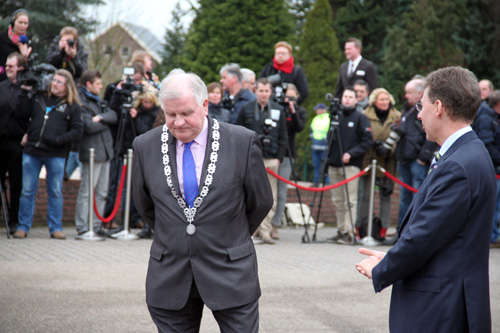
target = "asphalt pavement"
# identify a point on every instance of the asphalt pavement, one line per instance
(71, 285)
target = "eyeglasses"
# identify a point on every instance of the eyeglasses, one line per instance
(418, 106)
(58, 82)
(281, 53)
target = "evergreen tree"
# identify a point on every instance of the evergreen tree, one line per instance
(427, 41)
(47, 18)
(298, 9)
(175, 38)
(319, 56)
(234, 31)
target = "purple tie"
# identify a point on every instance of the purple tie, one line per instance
(189, 175)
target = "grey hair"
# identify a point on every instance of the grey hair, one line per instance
(246, 73)
(232, 70)
(418, 84)
(198, 87)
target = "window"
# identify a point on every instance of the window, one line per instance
(125, 51)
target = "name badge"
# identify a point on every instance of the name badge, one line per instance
(275, 114)
(360, 72)
(350, 124)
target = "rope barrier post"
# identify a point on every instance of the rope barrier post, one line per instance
(91, 235)
(125, 234)
(369, 240)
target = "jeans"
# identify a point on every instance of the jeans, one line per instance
(496, 215)
(55, 173)
(317, 157)
(73, 163)
(284, 171)
(413, 174)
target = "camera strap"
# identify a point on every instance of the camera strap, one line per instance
(258, 110)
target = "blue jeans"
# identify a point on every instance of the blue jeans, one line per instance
(73, 163)
(495, 233)
(317, 157)
(31, 172)
(413, 174)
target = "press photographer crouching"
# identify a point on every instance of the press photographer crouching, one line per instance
(295, 122)
(349, 137)
(268, 120)
(55, 121)
(382, 115)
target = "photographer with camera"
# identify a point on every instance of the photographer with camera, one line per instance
(68, 53)
(295, 122)
(382, 115)
(12, 130)
(268, 120)
(14, 39)
(345, 157)
(283, 66)
(55, 121)
(235, 96)
(96, 118)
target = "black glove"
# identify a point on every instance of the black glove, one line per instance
(380, 150)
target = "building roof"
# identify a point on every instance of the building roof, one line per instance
(143, 36)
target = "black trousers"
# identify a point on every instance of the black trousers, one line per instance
(241, 319)
(11, 161)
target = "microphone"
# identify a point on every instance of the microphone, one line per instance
(23, 39)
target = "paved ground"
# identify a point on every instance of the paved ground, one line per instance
(49, 285)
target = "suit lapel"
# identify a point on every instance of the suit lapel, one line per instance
(172, 154)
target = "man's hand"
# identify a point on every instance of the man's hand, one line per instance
(133, 112)
(96, 119)
(346, 158)
(70, 51)
(366, 266)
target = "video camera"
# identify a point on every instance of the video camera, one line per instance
(38, 76)
(128, 87)
(265, 137)
(335, 108)
(279, 91)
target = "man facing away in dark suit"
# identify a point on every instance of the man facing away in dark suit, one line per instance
(199, 184)
(439, 265)
(356, 68)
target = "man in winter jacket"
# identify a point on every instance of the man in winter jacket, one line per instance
(96, 118)
(55, 122)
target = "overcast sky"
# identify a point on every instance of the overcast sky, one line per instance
(152, 14)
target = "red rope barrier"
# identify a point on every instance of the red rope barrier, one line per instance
(391, 177)
(318, 189)
(117, 201)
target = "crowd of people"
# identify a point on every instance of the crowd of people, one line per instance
(55, 127)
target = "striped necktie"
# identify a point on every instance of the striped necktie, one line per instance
(434, 162)
(189, 175)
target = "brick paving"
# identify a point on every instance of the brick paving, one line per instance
(49, 285)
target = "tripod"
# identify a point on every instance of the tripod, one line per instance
(333, 134)
(4, 209)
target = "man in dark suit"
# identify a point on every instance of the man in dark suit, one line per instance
(356, 68)
(439, 265)
(199, 184)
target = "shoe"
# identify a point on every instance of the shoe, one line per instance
(58, 235)
(335, 238)
(145, 234)
(346, 240)
(102, 233)
(257, 240)
(493, 245)
(268, 240)
(20, 234)
(390, 241)
(274, 233)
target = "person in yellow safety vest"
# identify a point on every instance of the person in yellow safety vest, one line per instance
(319, 147)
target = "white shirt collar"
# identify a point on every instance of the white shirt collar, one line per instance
(452, 138)
(355, 62)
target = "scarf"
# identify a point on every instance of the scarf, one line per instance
(286, 67)
(14, 37)
(89, 94)
(381, 114)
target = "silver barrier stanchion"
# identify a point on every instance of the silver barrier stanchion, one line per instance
(125, 234)
(369, 240)
(91, 235)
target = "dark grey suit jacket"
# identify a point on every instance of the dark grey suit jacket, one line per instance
(220, 256)
(439, 266)
(365, 71)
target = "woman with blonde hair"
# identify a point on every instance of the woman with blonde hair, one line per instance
(382, 115)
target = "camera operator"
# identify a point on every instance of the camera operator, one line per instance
(268, 120)
(283, 65)
(235, 96)
(68, 53)
(55, 122)
(14, 39)
(414, 152)
(295, 122)
(345, 159)
(12, 130)
(381, 114)
(96, 118)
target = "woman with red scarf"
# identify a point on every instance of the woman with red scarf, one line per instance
(283, 65)
(14, 39)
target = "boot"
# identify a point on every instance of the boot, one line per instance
(146, 232)
(274, 233)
